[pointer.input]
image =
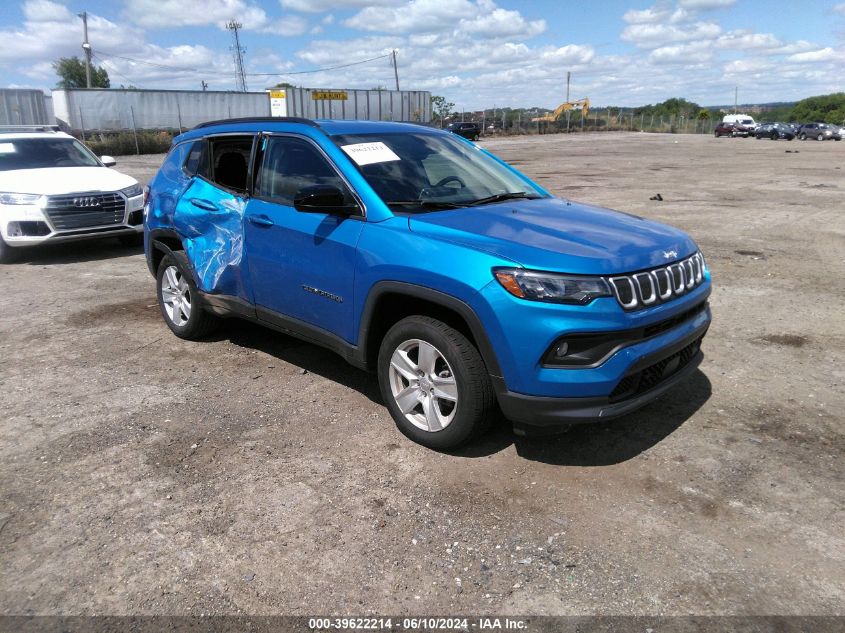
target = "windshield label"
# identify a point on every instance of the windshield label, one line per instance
(368, 153)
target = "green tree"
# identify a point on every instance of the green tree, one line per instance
(703, 114)
(825, 108)
(71, 72)
(441, 107)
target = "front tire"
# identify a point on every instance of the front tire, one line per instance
(803, 137)
(820, 137)
(434, 383)
(179, 300)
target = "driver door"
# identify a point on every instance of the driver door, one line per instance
(302, 265)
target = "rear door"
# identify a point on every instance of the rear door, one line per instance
(302, 265)
(209, 214)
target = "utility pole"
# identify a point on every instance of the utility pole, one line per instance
(568, 76)
(395, 70)
(238, 54)
(87, 48)
(736, 97)
(204, 85)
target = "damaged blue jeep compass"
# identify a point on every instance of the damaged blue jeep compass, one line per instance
(416, 254)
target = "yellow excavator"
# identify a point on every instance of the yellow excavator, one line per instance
(584, 104)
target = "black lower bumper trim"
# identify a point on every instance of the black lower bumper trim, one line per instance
(540, 411)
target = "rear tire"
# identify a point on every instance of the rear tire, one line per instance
(803, 137)
(434, 383)
(179, 301)
(820, 137)
(8, 254)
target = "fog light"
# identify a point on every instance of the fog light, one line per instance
(562, 350)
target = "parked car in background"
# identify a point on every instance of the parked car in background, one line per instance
(458, 280)
(730, 129)
(468, 130)
(819, 132)
(774, 131)
(54, 189)
(742, 120)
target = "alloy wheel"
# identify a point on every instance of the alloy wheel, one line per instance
(176, 296)
(423, 385)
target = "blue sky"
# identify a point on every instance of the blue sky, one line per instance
(477, 53)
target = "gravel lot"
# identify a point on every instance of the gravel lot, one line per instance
(253, 473)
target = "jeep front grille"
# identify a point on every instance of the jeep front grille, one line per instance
(650, 287)
(85, 210)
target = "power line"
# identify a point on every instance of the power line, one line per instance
(141, 61)
(319, 70)
(114, 70)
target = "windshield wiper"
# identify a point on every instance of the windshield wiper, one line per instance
(426, 204)
(499, 197)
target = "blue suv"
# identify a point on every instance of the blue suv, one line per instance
(414, 253)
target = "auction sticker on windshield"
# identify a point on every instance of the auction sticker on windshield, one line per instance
(368, 153)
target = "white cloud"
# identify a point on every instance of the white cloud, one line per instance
(45, 11)
(840, 8)
(822, 55)
(683, 54)
(288, 25)
(162, 14)
(50, 31)
(318, 6)
(656, 35)
(502, 23)
(482, 18)
(570, 54)
(705, 4)
(747, 40)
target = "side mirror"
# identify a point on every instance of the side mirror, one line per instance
(323, 199)
(108, 161)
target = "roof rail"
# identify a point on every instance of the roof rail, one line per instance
(259, 119)
(29, 128)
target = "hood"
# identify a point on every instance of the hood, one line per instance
(559, 236)
(61, 180)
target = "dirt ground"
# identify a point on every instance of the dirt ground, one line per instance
(252, 473)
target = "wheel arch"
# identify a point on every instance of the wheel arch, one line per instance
(391, 301)
(162, 242)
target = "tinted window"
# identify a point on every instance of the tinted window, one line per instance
(289, 165)
(197, 162)
(38, 153)
(229, 157)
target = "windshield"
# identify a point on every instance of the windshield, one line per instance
(36, 153)
(420, 172)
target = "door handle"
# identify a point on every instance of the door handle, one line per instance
(260, 220)
(204, 204)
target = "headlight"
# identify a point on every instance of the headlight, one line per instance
(19, 198)
(551, 287)
(133, 191)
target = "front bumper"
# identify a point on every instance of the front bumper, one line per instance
(31, 225)
(658, 373)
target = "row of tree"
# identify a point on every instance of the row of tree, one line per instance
(826, 108)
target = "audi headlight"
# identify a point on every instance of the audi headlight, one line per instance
(19, 198)
(551, 287)
(133, 191)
